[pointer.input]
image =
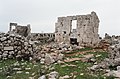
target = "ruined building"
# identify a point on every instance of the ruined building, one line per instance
(85, 34)
(26, 32)
(42, 37)
(21, 30)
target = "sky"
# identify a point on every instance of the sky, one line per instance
(42, 14)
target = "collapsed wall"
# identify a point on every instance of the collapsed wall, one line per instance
(42, 37)
(113, 59)
(25, 31)
(15, 46)
(86, 31)
(21, 30)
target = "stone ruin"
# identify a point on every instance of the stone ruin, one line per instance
(14, 46)
(18, 42)
(25, 31)
(111, 64)
(86, 33)
(21, 30)
(42, 38)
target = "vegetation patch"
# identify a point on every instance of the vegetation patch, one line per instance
(13, 69)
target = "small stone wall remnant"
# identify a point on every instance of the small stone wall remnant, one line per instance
(15, 46)
(21, 30)
(42, 37)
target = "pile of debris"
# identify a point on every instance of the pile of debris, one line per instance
(18, 47)
(113, 60)
(108, 41)
(48, 54)
(15, 46)
(51, 75)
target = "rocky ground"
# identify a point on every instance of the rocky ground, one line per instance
(74, 65)
(24, 59)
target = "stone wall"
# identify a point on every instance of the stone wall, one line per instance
(42, 37)
(26, 32)
(21, 30)
(15, 46)
(87, 29)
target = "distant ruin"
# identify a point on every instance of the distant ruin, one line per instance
(85, 34)
(21, 30)
(26, 32)
(42, 38)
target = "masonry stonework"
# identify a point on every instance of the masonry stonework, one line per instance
(21, 30)
(86, 33)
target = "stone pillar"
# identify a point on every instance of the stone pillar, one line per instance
(87, 30)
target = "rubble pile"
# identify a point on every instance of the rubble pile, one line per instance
(15, 46)
(48, 54)
(114, 48)
(108, 41)
(112, 40)
(113, 59)
(51, 75)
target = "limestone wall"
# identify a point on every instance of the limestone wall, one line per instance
(21, 30)
(26, 32)
(42, 37)
(15, 46)
(87, 29)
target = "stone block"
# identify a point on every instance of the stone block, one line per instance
(8, 48)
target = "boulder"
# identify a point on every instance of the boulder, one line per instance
(48, 59)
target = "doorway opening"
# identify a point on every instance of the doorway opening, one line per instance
(73, 41)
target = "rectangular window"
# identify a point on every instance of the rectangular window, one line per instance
(74, 24)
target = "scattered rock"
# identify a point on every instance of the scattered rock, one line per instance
(48, 59)
(53, 75)
(8, 48)
(12, 46)
(88, 56)
(65, 77)
(42, 77)
(94, 67)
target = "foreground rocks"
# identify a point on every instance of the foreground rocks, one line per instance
(113, 59)
(15, 46)
(18, 47)
(51, 75)
(48, 54)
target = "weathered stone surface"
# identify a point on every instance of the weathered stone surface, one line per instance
(88, 56)
(21, 30)
(60, 56)
(53, 75)
(114, 73)
(49, 59)
(94, 67)
(113, 59)
(42, 38)
(15, 46)
(65, 77)
(8, 48)
(86, 33)
(118, 68)
(0, 56)
(42, 77)
(3, 38)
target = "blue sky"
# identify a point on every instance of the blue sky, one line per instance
(42, 14)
